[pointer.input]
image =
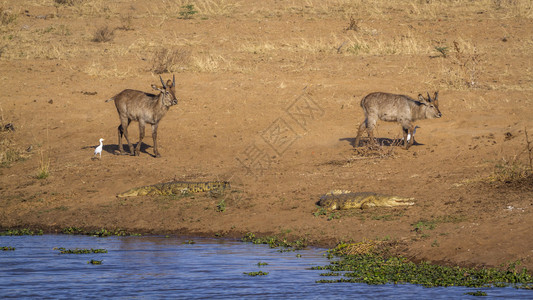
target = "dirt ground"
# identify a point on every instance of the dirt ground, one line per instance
(269, 97)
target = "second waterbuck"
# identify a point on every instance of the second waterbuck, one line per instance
(145, 108)
(396, 108)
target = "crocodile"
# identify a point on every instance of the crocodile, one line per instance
(341, 199)
(176, 188)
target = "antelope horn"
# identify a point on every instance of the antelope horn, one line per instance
(173, 80)
(162, 82)
(429, 98)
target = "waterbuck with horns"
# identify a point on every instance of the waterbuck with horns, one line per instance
(145, 108)
(396, 108)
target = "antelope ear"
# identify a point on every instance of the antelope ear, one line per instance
(421, 98)
(169, 83)
(436, 97)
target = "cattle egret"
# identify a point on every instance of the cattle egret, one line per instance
(98, 150)
(409, 135)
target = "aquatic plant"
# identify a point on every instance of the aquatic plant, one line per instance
(260, 264)
(95, 262)
(7, 248)
(476, 293)
(99, 233)
(80, 251)
(375, 269)
(24, 231)
(189, 242)
(260, 273)
(275, 242)
(73, 230)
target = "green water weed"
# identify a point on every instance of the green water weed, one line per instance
(375, 269)
(95, 262)
(23, 231)
(260, 273)
(79, 251)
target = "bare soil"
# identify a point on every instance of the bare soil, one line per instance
(269, 100)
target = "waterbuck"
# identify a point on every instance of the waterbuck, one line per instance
(396, 108)
(145, 108)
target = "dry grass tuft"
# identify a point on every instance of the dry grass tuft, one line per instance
(44, 166)
(126, 23)
(6, 16)
(65, 2)
(515, 170)
(9, 152)
(165, 60)
(103, 34)
(383, 149)
(209, 63)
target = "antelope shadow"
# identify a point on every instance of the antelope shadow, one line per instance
(387, 142)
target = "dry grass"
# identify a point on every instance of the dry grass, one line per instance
(463, 68)
(103, 34)
(210, 63)
(107, 70)
(377, 151)
(44, 166)
(168, 60)
(9, 152)
(514, 169)
(6, 16)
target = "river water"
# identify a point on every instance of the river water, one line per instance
(160, 267)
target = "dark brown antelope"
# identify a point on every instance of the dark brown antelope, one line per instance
(145, 108)
(396, 108)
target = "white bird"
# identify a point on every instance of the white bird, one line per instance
(98, 149)
(409, 135)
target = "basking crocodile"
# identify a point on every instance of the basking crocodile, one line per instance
(177, 188)
(339, 199)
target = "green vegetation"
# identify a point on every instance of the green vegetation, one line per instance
(372, 268)
(187, 11)
(24, 231)
(44, 166)
(322, 211)
(7, 248)
(442, 50)
(424, 224)
(99, 233)
(221, 206)
(276, 242)
(95, 262)
(80, 251)
(260, 273)
(260, 264)
(476, 293)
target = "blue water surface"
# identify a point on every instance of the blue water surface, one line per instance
(161, 267)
